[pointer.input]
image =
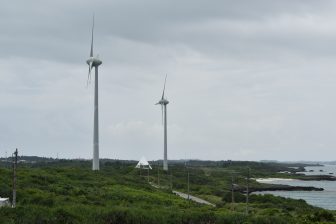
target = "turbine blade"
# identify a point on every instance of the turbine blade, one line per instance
(91, 52)
(89, 75)
(90, 67)
(88, 79)
(164, 88)
(162, 112)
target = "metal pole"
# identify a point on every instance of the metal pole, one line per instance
(158, 173)
(171, 180)
(165, 159)
(232, 192)
(14, 178)
(140, 170)
(95, 162)
(7, 161)
(188, 183)
(247, 190)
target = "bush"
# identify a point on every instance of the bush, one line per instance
(322, 216)
(270, 220)
(238, 197)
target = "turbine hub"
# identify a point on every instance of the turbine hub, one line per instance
(163, 102)
(95, 61)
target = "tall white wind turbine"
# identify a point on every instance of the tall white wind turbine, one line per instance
(163, 102)
(94, 62)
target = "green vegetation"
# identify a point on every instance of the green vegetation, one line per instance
(68, 191)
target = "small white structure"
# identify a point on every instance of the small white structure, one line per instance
(143, 164)
(4, 202)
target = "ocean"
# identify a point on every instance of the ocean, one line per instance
(324, 199)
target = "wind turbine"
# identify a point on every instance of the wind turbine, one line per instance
(163, 102)
(94, 62)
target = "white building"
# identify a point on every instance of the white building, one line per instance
(143, 164)
(4, 202)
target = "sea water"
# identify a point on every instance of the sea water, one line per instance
(324, 199)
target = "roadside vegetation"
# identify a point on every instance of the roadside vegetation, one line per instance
(68, 191)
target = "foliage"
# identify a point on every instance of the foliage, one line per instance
(65, 191)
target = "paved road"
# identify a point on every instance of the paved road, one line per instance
(193, 198)
(185, 196)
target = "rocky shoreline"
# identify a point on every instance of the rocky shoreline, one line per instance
(315, 177)
(279, 187)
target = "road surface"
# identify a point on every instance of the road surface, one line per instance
(193, 198)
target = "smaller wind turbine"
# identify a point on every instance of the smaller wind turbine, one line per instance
(163, 102)
(94, 62)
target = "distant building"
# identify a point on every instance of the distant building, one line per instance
(4, 202)
(143, 164)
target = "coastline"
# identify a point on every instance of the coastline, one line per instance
(280, 187)
(316, 177)
(315, 185)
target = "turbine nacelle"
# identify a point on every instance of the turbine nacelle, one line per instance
(94, 61)
(163, 102)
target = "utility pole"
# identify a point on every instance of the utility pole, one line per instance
(232, 192)
(247, 189)
(15, 154)
(171, 180)
(6, 161)
(148, 174)
(188, 185)
(158, 173)
(140, 170)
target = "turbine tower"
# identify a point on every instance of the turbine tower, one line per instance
(94, 62)
(163, 102)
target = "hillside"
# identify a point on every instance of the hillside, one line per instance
(67, 191)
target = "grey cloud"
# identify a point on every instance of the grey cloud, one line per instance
(246, 80)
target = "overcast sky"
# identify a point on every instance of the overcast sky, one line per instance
(247, 80)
